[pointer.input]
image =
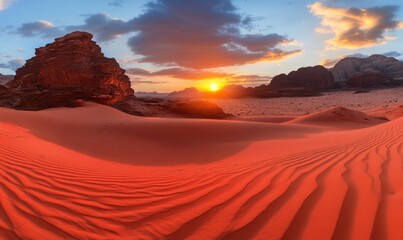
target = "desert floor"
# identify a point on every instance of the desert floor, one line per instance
(381, 98)
(97, 173)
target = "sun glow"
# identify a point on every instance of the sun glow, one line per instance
(214, 87)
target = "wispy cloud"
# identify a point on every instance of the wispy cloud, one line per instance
(41, 28)
(356, 28)
(179, 73)
(13, 64)
(116, 3)
(4, 4)
(330, 62)
(194, 74)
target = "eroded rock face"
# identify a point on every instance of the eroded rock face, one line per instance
(313, 79)
(5, 78)
(369, 79)
(349, 66)
(71, 68)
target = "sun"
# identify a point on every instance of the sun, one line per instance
(214, 87)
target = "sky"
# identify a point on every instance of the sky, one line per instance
(168, 45)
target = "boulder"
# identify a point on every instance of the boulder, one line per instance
(71, 68)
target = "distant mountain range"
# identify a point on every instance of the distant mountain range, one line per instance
(150, 95)
(350, 72)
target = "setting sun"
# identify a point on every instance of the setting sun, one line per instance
(214, 87)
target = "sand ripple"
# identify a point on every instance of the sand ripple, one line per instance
(351, 190)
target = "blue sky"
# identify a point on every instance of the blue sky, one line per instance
(258, 39)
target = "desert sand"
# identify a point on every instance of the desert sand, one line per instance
(291, 106)
(96, 173)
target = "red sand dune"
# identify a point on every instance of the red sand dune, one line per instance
(339, 117)
(96, 173)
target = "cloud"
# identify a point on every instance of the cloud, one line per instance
(4, 4)
(104, 27)
(330, 62)
(182, 33)
(41, 28)
(392, 54)
(140, 81)
(117, 3)
(249, 79)
(193, 74)
(13, 64)
(356, 28)
(179, 73)
(201, 34)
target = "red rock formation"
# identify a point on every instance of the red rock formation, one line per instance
(349, 66)
(369, 79)
(313, 79)
(73, 67)
(153, 107)
(197, 109)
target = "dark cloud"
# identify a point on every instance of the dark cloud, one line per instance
(41, 28)
(182, 33)
(104, 27)
(356, 28)
(201, 34)
(13, 64)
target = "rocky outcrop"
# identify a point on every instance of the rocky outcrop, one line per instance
(71, 68)
(369, 79)
(5, 78)
(233, 91)
(349, 66)
(314, 79)
(152, 107)
(198, 109)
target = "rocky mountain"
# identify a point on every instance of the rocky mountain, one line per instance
(388, 66)
(186, 93)
(316, 78)
(154, 94)
(369, 79)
